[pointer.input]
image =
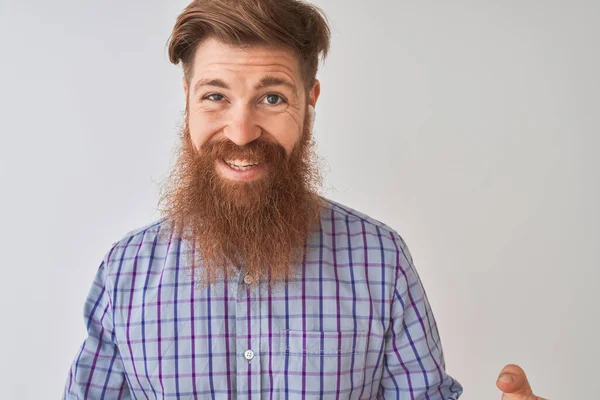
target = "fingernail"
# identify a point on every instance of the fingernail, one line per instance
(506, 378)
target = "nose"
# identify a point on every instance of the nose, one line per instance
(243, 128)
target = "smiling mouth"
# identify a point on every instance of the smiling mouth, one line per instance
(241, 165)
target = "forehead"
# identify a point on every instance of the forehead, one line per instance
(214, 57)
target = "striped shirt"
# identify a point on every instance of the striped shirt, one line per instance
(354, 324)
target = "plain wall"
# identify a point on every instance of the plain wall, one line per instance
(470, 127)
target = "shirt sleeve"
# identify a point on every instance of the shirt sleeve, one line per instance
(414, 366)
(97, 371)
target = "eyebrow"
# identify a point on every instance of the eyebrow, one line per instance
(269, 81)
(210, 82)
(265, 82)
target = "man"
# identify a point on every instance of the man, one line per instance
(252, 285)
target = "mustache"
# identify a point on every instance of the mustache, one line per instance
(259, 151)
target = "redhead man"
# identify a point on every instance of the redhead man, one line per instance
(251, 285)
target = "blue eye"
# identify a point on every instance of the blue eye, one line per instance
(215, 97)
(274, 99)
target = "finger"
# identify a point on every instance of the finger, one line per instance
(512, 380)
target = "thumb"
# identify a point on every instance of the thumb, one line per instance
(513, 382)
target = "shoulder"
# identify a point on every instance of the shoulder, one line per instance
(341, 218)
(344, 212)
(135, 242)
(150, 228)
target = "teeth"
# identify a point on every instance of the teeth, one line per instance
(240, 165)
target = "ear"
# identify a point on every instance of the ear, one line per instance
(185, 86)
(314, 93)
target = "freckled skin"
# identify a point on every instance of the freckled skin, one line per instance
(242, 113)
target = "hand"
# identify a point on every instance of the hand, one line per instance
(513, 383)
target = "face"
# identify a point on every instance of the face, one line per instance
(244, 190)
(242, 95)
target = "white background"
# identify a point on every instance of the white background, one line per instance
(470, 127)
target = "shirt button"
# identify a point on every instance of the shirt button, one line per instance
(248, 355)
(248, 279)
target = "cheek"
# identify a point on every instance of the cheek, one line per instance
(202, 129)
(286, 131)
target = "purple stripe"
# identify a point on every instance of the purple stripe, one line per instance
(158, 307)
(339, 307)
(276, 298)
(308, 262)
(343, 233)
(249, 327)
(166, 339)
(366, 262)
(353, 311)
(383, 309)
(322, 377)
(128, 330)
(150, 259)
(193, 338)
(287, 330)
(93, 367)
(256, 317)
(303, 322)
(175, 321)
(209, 324)
(227, 358)
(121, 390)
(254, 373)
(270, 328)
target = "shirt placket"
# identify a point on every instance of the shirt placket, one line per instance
(248, 338)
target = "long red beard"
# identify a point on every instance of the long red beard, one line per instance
(261, 225)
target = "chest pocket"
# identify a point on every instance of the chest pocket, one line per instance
(319, 365)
